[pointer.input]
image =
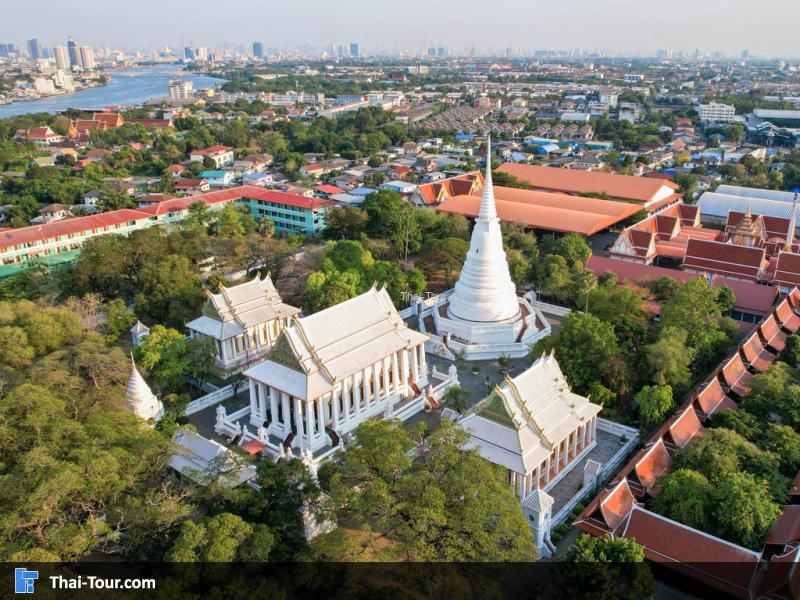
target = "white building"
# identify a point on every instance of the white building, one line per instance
(62, 58)
(538, 430)
(86, 56)
(204, 461)
(332, 370)
(180, 88)
(244, 321)
(482, 316)
(44, 85)
(716, 112)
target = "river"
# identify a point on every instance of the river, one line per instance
(127, 88)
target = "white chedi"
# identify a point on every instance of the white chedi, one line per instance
(140, 399)
(484, 292)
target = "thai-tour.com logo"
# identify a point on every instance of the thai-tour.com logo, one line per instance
(24, 580)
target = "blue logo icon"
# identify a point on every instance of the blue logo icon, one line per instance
(23, 580)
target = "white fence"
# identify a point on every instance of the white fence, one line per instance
(211, 399)
(552, 309)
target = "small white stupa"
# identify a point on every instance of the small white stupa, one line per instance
(482, 316)
(140, 399)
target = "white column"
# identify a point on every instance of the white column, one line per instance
(376, 381)
(298, 418)
(415, 364)
(398, 383)
(335, 406)
(273, 406)
(358, 392)
(287, 418)
(404, 361)
(309, 408)
(385, 364)
(538, 476)
(547, 472)
(422, 364)
(254, 408)
(321, 402)
(346, 399)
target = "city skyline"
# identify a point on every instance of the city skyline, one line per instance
(621, 26)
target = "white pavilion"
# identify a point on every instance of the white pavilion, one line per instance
(332, 370)
(538, 430)
(140, 399)
(482, 316)
(244, 321)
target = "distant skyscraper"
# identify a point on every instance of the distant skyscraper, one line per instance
(4, 50)
(72, 49)
(33, 49)
(86, 56)
(745, 54)
(258, 49)
(188, 53)
(353, 50)
(62, 57)
(201, 54)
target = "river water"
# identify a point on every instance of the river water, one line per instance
(126, 88)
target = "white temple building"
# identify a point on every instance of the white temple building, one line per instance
(482, 316)
(140, 399)
(538, 430)
(332, 370)
(244, 321)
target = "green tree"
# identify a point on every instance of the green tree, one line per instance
(588, 548)
(441, 260)
(163, 353)
(687, 497)
(743, 510)
(668, 359)
(587, 350)
(344, 222)
(111, 199)
(452, 505)
(215, 539)
(572, 247)
(655, 403)
(119, 318)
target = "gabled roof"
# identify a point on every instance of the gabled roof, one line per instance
(725, 259)
(520, 423)
(343, 339)
(210, 150)
(628, 187)
(246, 305)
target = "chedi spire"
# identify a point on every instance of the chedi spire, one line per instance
(140, 399)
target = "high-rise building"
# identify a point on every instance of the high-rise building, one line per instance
(34, 51)
(86, 55)
(353, 50)
(188, 53)
(4, 50)
(62, 58)
(201, 54)
(74, 56)
(180, 88)
(258, 49)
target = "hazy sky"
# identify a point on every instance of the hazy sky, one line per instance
(766, 28)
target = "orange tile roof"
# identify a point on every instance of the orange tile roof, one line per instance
(686, 427)
(627, 187)
(654, 462)
(789, 320)
(546, 210)
(712, 398)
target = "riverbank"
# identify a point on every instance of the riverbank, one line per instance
(127, 88)
(87, 86)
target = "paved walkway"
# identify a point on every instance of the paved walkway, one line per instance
(205, 420)
(607, 446)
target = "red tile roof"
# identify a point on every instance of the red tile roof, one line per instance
(789, 320)
(328, 189)
(626, 187)
(736, 376)
(686, 427)
(712, 398)
(750, 297)
(653, 463)
(14, 237)
(210, 150)
(787, 270)
(705, 256)
(545, 210)
(771, 333)
(755, 354)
